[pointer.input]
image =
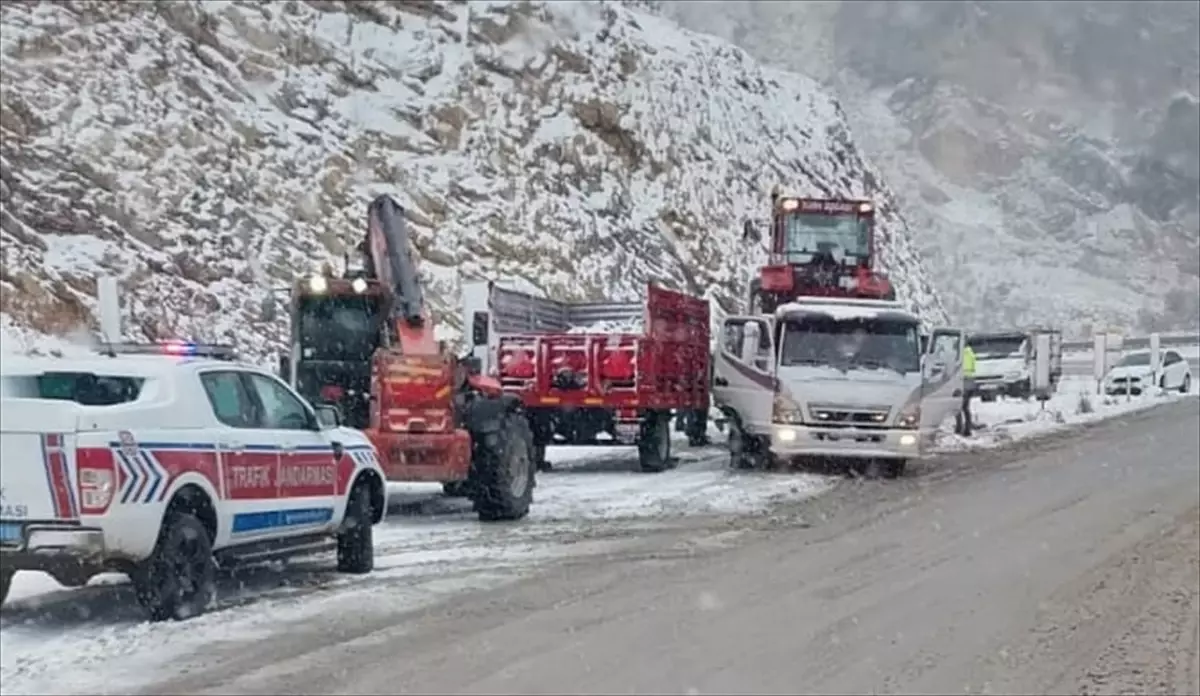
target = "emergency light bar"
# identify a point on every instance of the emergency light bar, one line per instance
(182, 349)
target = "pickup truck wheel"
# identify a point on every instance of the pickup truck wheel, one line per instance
(1186, 385)
(356, 540)
(178, 580)
(654, 445)
(504, 467)
(6, 577)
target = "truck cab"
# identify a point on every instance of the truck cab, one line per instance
(835, 378)
(1005, 360)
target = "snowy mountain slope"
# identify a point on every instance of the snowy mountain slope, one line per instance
(1046, 155)
(207, 152)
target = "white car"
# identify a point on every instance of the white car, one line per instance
(1132, 374)
(166, 466)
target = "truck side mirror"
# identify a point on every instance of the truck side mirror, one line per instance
(268, 309)
(750, 232)
(479, 329)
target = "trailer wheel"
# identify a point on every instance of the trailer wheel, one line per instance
(654, 443)
(503, 468)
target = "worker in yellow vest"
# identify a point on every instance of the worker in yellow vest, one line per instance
(964, 421)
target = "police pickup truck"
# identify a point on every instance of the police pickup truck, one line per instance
(167, 461)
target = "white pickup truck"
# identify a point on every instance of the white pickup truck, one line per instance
(835, 378)
(164, 466)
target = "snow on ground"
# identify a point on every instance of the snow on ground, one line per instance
(1008, 420)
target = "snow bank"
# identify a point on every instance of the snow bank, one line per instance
(1005, 421)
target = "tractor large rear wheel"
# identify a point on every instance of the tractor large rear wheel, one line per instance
(503, 465)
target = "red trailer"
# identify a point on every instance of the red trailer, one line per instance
(596, 372)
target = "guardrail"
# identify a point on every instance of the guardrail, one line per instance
(1138, 342)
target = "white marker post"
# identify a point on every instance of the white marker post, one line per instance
(1099, 359)
(1041, 367)
(109, 301)
(1155, 357)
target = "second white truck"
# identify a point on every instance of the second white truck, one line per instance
(835, 378)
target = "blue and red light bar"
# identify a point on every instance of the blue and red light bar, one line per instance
(177, 348)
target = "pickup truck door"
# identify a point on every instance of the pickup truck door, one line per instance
(942, 378)
(744, 370)
(306, 494)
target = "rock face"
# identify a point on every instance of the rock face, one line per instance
(1046, 154)
(208, 152)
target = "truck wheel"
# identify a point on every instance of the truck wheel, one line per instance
(1186, 385)
(356, 540)
(178, 580)
(6, 577)
(503, 471)
(654, 444)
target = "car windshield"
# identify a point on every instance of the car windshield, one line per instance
(868, 343)
(340, 328)
(1134, 360)
(992, 348)
(844, 237)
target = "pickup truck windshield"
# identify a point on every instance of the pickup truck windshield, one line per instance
(340, 328)
(865, 343)
(83, 388)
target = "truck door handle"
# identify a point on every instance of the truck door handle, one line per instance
(233, 446)
(720, 382)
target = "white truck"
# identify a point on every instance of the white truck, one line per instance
(835, 378)
(164, 464)
(1005, 362)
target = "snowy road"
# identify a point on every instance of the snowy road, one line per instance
(595, 511)
(1069, 567)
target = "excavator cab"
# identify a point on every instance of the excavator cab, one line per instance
(338, 325)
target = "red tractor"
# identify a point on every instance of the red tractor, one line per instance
(365, 343)
(818, 247)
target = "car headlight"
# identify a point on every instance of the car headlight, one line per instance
(910, 416)
(785, 410)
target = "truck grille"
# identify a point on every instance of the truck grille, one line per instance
(843, 417)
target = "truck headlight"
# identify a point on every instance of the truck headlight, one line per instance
(910, 416)
(785, 410)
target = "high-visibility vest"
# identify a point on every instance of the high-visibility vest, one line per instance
(968, 362)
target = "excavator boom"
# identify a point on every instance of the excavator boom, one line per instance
(390, 261)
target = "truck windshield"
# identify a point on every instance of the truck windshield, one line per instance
(987, 348)
(845, 237)
(869, 343)
(338, 328)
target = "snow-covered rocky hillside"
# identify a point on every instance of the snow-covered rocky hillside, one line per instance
(208, 152)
